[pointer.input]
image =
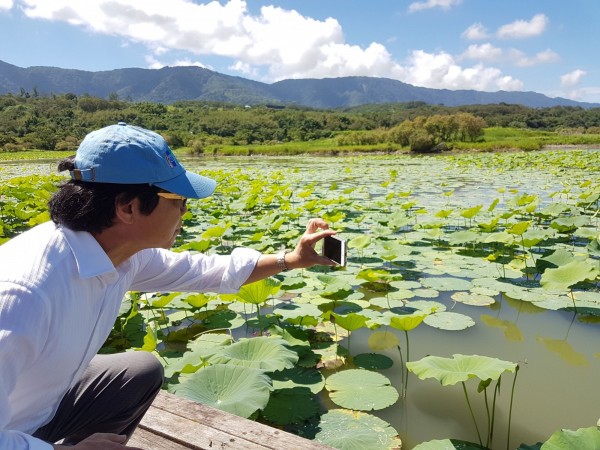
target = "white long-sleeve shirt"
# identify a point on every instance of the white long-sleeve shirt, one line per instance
(59, 297)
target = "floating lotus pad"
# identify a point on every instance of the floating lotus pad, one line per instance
(351, 430)
(361, 390)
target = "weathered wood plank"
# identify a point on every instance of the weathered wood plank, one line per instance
(150, 441)
(201, 427)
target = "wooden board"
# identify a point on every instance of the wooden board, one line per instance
(174, 423)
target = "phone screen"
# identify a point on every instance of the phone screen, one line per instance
(334, 248)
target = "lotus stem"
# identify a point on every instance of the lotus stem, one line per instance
(471, 411)
(489, 420)
(512, 394)
(407, 360)
(401, 371)
(496, 390)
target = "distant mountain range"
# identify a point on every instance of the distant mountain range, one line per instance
(171, 84)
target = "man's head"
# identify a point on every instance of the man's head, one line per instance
(126, 154)
(115, 165)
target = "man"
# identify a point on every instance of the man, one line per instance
(61, 284)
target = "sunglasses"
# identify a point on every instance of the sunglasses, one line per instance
(171, 196)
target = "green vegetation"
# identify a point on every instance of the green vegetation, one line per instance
(59, 123)
(493, 230)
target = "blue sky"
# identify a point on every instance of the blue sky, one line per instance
(546, 46)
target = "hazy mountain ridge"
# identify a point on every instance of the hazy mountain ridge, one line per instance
(171, 84)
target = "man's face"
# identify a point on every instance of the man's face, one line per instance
(161, 227)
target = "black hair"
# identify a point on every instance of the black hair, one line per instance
(87, 206)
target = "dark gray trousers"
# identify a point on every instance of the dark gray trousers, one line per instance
(112, 397)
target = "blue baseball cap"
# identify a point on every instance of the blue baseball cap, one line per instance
(126, 154)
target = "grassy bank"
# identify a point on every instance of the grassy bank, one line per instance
(494, 139)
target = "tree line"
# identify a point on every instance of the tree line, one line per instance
(59, 122)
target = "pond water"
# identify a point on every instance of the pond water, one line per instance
(557, 350)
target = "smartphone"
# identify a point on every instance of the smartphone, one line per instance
(334, 248)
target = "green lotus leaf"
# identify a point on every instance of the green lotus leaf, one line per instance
(360, 242)
(350, 321)
(294, 310)
(351, 430)
(463, 237)
(289, 406)
(234, 389)
(519, 228)
(563, 277)
(449, 371)
(383, 340)
(223, 319)
(255, 293)
(471, 298)
(361, 390)
(372, 361)
(581, 439)
(450, 321)
(299, 377)
(559, 257)
(566, 224)
(448, 444)
(447, 284)
(407, 322)
(267, 353)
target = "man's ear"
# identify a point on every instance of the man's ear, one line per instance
(124, 210)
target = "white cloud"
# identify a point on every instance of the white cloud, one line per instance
(572, 78)
(272, 45)
(520, 29)
(475, 32)
(6, 4)
(441, 71)
(483, 52)
(520, 59)
(429, 4)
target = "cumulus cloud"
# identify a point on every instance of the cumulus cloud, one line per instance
(429, 4)
(475, 32)
(520, 59)
(6, 4)
(483, 52)
(272, 45)
(572, 78)
(441, 71)
(520, 29)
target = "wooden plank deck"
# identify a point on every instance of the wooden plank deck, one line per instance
(174, 423)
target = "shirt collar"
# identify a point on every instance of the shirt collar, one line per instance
(91, 259)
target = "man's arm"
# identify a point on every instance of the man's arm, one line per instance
(303, 256)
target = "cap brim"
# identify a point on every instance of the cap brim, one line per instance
(190, 185)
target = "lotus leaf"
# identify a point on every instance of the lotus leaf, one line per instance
(288, 406)
(383, 340)
(255, 293)
(351, 430)
(235, 389)
(371, 361)
(448, 444)
(447, 284)
(407, 322)
(361, 389)
(581, 439)
(350, 321)
(299, 377)
(267, 353)
(450, 321)
(471, 298)
(449, 371)
(566, 276)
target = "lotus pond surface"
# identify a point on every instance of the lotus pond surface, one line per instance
(494, 255)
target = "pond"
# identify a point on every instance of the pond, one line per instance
(437, 226)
